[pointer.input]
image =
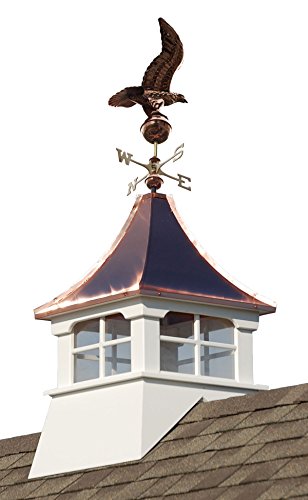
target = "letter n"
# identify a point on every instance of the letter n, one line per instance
(132, 186)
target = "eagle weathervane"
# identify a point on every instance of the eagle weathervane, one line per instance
(152, 95)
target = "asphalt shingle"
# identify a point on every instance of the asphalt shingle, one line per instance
(234, 438)
(280, 449)
(211, 494)
(134, 490)
(160, 487)
(89, 479)
(293, 468)
(23, 460)
(231, 456)
(187, 482)
(127, 474)
(181, 447)
(254, 472)
(215, 477)
(177, 465)
(55, 484)
(187, 430)
(299, 489)
(8, 460)
(19, 491)
(19, 444)
(252, 491)
(16, 476)
(297, 412)
(281, 431)
(280, 489)
(224, 424)
(267, 416)
(80, 495)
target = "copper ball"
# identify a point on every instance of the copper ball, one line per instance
(156, 129)
(154, 182)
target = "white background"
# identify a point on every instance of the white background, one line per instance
(63, 192)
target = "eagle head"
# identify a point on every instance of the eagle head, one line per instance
(181, 98)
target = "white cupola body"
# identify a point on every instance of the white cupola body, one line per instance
(142, 338)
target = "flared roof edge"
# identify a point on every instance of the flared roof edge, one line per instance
(43, 310)
(69, 301)
(261, 299)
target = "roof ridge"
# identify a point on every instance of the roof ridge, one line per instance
(152, 196)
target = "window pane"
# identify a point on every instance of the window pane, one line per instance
(216, 330)
(86, 365)
(117, 359)
(177, 325)
(116, 327)
(86, 333)
(217, 362)
(176, 357)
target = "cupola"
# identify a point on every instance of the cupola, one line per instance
(149, 331)
(153, 328)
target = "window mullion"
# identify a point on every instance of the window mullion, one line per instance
(218, 344)
(73, 361)
(102, 330)
(177, 340)
(117, 341)
(197, 344)
(84, 348)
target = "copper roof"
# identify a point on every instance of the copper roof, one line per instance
(153, 255)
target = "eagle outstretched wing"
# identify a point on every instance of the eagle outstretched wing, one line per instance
(121, 99)
(155, 89)
(159, 74)
(127, 97)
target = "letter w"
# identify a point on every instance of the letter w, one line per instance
(124, 156)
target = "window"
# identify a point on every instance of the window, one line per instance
(217, 347)
(197, 345)
(177, 346)
(101, 348)
(117, 345)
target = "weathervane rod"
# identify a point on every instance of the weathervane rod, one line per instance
(152, 94)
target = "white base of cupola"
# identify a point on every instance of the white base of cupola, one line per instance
(116, 423)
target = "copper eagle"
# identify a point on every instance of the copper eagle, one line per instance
(154, 91)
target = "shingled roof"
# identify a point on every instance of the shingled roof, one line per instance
(246, 447)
